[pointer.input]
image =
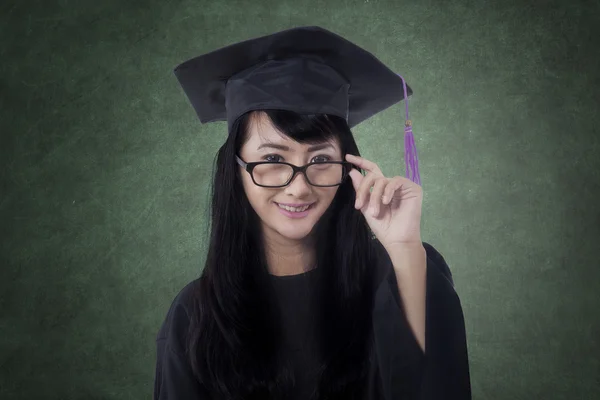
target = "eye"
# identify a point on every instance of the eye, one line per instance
(272, 158)
(321, 158)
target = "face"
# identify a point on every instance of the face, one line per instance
(265, 143)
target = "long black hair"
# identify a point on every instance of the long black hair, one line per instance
(235, 330)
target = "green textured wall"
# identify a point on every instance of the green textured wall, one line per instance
(105, 170)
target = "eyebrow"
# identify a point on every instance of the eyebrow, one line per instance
(285, 148)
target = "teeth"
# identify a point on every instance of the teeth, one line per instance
(294, 209)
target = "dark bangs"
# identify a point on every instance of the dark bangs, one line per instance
(303, 128)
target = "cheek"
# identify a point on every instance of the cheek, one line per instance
(328, 195)
(247, 183)
(257, 196)
(325, 197)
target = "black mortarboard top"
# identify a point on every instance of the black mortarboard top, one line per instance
(309, 70)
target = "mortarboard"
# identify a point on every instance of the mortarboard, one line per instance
(309, 70)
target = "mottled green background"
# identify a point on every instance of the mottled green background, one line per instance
(105, 170)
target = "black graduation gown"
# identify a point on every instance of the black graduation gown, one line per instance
(399, 369)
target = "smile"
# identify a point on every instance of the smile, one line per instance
(295, 208)
(300, 211)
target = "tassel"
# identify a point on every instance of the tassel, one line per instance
(411, 157)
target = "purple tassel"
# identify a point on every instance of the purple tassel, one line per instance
(410, 149)
(410, 154)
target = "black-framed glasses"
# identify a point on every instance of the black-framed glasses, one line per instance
(272, 174)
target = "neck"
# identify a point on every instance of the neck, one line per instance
(289, 257)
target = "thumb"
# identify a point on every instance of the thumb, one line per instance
(356, 177)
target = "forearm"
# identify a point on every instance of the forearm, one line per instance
(410, 267)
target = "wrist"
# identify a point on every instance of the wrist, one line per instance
(404, 246)
(408, 255)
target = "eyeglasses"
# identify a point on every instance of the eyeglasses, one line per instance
(279, 174)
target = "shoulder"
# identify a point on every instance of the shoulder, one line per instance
(175, 325)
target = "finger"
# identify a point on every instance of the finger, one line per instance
(356, 178)
(364, 190)
(390, 189)
(375, 201)
(363, 163)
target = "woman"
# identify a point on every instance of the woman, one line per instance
(314, 286)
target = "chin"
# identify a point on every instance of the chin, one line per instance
(294, 234)
(292, 229)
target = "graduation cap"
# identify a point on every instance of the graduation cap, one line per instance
(309, 70)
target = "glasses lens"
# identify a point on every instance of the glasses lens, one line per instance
(320, 174)
(325, 174)
(272, 174)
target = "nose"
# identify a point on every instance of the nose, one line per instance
(298, 187)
